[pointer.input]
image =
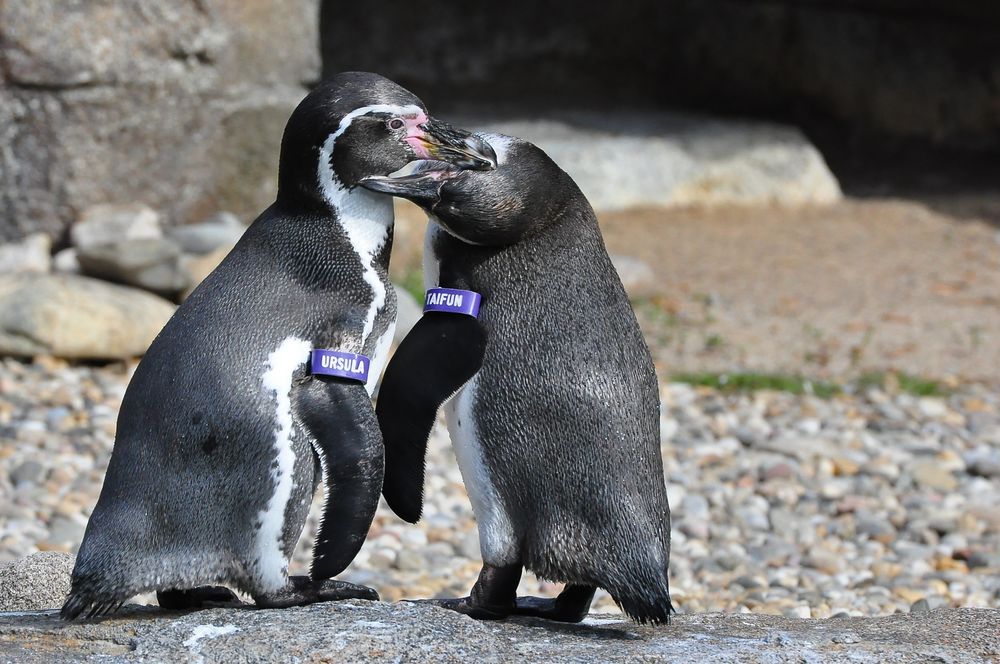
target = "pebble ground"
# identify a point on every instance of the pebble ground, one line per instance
(862, 504)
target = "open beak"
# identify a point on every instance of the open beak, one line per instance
(441, 142)
(442, 152)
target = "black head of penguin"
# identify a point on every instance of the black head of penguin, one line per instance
(355, 125)
(489, 207)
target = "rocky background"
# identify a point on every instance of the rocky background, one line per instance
(194, 92)
(824, 325)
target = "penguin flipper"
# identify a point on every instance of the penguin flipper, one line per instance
(439, 355)
(341, 421)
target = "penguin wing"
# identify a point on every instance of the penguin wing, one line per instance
(439, 355)
(341, 421)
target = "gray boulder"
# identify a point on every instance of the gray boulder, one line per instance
(76, 317)
(39, 581)
(104, 224)
(222, 230)
(178, 105)
(153, 264)
(373, 631)
(676, 160)
(32, 254)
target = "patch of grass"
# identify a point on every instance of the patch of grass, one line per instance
(893, 381)
(714, 341)
(413, 283)
(750, 382)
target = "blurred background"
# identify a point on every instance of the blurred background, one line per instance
(802, 198)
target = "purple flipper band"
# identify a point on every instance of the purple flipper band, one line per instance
(340, 363)
(452, 301)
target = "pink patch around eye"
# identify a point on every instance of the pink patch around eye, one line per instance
(414, 134)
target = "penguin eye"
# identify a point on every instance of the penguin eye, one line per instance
(396, 123)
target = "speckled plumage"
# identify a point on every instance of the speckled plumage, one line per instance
(222, 429)
(565, 407)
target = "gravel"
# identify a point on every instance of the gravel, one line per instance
(865, 504)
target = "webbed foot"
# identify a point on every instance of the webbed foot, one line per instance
(301, 590)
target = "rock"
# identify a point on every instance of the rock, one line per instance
(637, 276)
(361, 631)
(985, 559)
(672, 160)
(26, 473)
(40, 581)
(66, 261)
(408, 312)
(180, 107)
(223, 230)
(153, 264)
(198, 267)
(29, 255)
(931, 475)
(107, 224)
(76, 317)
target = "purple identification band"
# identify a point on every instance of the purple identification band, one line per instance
(452, 301)
(341, 364)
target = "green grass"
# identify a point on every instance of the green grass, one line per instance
(751, 382)
(902, 382)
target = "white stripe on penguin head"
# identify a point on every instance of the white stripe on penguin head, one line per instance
(365, 216)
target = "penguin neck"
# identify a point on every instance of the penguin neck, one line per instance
(366, 218)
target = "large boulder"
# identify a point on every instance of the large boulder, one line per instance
(39, 581)
(153, 264)
(77, 317)
(178, 105)
(676, 160)
(355, 631)
(32, 254)
(104, 224)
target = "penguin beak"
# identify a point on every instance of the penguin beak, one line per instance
(442, 153)
(440, 141)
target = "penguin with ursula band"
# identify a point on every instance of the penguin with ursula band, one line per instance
(551, 398)
(259, 386)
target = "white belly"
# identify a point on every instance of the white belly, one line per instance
(496, 534)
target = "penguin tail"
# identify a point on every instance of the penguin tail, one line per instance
(94, 592)
(646, 610)
(89, 605)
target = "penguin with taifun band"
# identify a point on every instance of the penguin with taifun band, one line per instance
(259, 386)
(552, 399)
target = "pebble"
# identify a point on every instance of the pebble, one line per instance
(783, 504)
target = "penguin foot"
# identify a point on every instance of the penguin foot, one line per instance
(571, 606)
(301, 590)
(466, 606)
(196, 598)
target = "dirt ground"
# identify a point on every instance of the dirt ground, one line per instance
(834, 292)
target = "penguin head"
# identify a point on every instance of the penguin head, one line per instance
(356, 125)
(486, 206)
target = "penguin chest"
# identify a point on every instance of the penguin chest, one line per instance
(496, 531)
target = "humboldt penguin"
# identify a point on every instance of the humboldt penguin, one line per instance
(258, 388)
(550, 395)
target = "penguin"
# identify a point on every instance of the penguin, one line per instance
(258, 388)
(549, 391)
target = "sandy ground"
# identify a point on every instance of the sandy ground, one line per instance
(865, 285)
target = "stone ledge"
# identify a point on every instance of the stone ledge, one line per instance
(625, 160)
(352, 631)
